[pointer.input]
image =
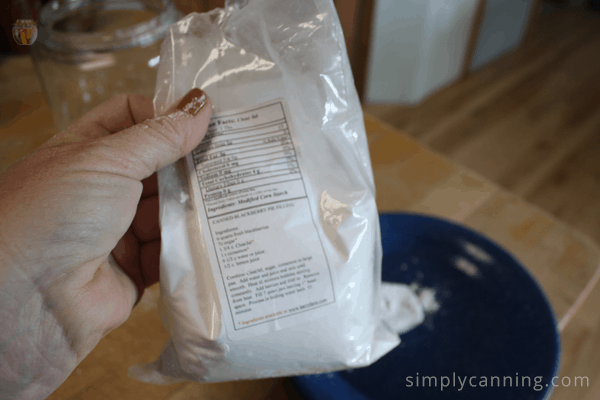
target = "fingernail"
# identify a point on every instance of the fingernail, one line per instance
(193, 102)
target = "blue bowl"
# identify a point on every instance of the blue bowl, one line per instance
(494, 327)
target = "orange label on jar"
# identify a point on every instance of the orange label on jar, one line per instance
(25, 31)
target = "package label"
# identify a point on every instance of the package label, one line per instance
(252, 198)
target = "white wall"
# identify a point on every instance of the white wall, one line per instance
(417, 46)
(502, 29)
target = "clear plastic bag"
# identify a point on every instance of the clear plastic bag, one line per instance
(271, 251)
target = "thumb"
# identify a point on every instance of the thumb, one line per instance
(142, 149)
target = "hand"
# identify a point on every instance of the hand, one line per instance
(86, 194)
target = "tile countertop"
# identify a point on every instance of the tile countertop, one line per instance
(408, 177)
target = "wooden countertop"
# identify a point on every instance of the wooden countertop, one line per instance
(408, 177)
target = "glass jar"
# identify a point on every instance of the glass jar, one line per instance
(91, 50)
(25, 31)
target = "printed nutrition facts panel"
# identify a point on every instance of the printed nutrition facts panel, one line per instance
(254, 203)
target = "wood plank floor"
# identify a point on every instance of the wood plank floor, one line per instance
(529, 121)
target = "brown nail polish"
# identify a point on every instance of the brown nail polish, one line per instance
(193, 102)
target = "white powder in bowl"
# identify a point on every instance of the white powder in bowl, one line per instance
(404, 307)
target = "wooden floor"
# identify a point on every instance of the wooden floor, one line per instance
(529, 121)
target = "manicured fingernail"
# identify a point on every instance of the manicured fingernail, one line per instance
(193, 102)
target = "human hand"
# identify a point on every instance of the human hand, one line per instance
(86, 194)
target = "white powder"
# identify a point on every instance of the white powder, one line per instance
(404, 307)
(174, 116)
(466, 266)
(428, 301)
